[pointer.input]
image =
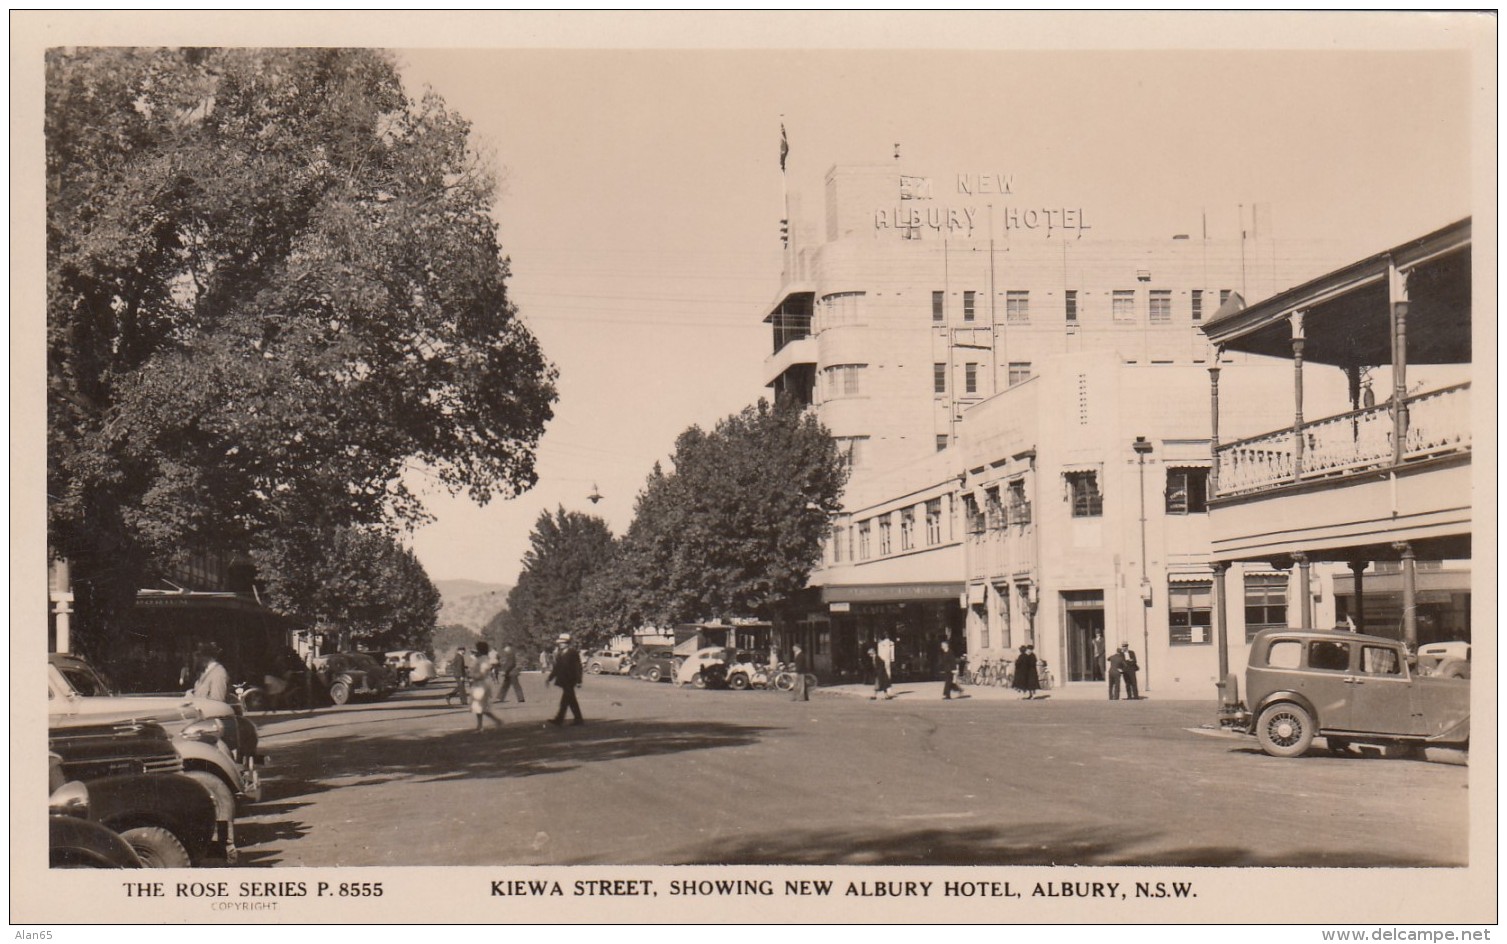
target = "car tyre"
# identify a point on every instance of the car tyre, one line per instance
(698, 680)
(595, 668)
(1453, 668)
(1285, 730)
(157, 848)
(653, 674)
(340, 692)
(737, 681)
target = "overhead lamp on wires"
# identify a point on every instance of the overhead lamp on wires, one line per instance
(595, 495)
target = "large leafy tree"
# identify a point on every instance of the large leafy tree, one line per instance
(736, 528)
(359, 583)
(565, 549)
(274, 284)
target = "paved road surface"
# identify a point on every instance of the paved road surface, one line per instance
(662, 775)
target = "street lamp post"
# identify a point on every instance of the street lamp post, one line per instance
(1142, 449)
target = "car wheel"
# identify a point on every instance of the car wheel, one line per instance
(654, 674)
(596, 668)
(340, 693)
(698, 680)
(1285, 730)
(254, 700)
(1453, 668)
(157, 848)
(737, 682)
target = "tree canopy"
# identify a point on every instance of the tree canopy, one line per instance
(274, 285)
(736, 528)
(565, 549)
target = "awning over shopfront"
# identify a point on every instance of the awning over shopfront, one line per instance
(893, 592)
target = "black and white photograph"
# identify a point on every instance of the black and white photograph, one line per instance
(757, 468)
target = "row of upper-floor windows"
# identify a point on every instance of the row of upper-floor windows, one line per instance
(1016, 372)
(1126, 306)
(1186, 493)
(893, 532)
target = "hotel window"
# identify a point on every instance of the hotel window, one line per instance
(1189, 609)
(942, 441)
(884, 536)
(933, 521)
(939, 378)
(853, 450)
(968, 305)
(841, 308)
(971, 378)
(838, 535)
(1161, 306)
(1265, 603)
(1018, 306)
(1187, 491)
(1198, 304)
(1083, 493)
(865, 528)
(843, 380)
(994, 509)
(973, 514)
(907, 528)
(938, 306)
(1072, 306)
(1122, 305)
(1020, 372)
(1020, 509)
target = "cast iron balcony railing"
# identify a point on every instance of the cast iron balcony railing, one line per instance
(1438, 424)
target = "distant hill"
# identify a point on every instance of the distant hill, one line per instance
(471, 603)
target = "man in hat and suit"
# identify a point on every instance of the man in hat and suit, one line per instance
(566, 673)
(1131, 667)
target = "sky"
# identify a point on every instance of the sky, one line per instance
(641, 195)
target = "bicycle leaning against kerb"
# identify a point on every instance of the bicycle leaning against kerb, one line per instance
(784, 678)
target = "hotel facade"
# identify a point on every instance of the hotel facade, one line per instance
(1027, 415)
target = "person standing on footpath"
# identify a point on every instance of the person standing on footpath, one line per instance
(213, 682)
(1132, 690)
(1026, 679)
(566, 674)
(482, 687)
(1116, 672)
(802, 665)
(881, 675)
(509, 666)
(887, 653)
(947, 664)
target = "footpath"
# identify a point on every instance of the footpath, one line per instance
(932, 691)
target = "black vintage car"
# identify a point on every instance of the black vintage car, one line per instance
(130, 780)
(350, 675)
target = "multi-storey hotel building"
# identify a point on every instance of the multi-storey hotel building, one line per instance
(1025, 408)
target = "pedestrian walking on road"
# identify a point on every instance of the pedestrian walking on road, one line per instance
(1132, 689)
(881, 675)
(458, 672)
(1116, 672)
(566, 673)
(509, 667)
(1026, 679)
(947, 664)
(482, 687)
(800, 691)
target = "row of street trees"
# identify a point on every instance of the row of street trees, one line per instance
(733, 529)
(274, 286)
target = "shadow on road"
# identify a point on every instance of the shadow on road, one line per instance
(1038, 844)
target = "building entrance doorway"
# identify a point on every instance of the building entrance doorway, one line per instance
(1083, 617)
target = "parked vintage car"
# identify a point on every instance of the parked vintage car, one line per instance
(348, 675)
(655, 663)
(606, 660)
(133, 784)
(705, 668)
(73, 841)
(1346, 687)
(218, 744)
(749, 668)
(413, 665)
(1449, 659)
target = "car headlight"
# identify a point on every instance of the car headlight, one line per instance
(207, 730)
(71, 799)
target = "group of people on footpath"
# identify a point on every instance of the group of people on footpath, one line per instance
(1024, 678)
(483, 677)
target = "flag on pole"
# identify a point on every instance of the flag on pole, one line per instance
(784, 147)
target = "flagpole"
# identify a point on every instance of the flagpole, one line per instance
(784, 186)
